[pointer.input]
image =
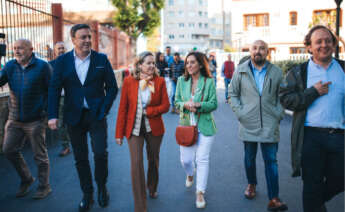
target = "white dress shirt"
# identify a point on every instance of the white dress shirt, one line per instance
(82, 67)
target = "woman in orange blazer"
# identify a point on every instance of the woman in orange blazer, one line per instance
(144, 99)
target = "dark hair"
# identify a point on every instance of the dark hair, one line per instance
(168, 47)
(77, 27)
(307, 38)
(202, 60)
(158, 55)
(176, 54)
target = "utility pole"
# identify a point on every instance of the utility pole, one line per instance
(338, 2)
(223, 23)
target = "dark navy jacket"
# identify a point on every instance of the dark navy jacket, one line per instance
(99, 88)
(28, 89)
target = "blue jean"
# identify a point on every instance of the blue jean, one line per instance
(173, 91)
(322, 167)
(214, 74)
(226, 84)
(269, 154)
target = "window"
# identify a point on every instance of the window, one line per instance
(201, 2)
(206, 25)
(171, 13)
(205, 14)
(171, 2)
(181, 36)
(200, 13)
(327, 17)
(191, 2)
(181, 25)
(256, 20)
(200, 25)
(180, 2)
(191, 14)
(293, 18)
(180, 13)
(191, 25)
(298, 50)
(171, 36)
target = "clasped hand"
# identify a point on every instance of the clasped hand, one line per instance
(192, 106)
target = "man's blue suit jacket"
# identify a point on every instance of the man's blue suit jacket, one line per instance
(99, 89)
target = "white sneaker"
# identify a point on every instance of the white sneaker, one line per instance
(188, 182)
(200, 200)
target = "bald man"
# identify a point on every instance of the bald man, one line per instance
(254, 91)
(28, 78)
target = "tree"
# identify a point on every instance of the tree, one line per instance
(137, 17)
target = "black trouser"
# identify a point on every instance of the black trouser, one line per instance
(322, 167)
(98, 134)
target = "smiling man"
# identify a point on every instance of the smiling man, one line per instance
(254, 99)
(315, 91)
(90, 89)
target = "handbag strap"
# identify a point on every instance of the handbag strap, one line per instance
(202, 98)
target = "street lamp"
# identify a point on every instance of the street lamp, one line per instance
(338, 2)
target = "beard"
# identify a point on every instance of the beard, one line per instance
(258, 59)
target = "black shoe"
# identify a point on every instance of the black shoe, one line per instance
(24, 188)
(103, 197)
(86, 204)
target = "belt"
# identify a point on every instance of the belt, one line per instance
(327, 130)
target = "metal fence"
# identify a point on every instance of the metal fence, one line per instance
(29, 19)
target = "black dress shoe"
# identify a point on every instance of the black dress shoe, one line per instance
(103, 197)
(85, 204)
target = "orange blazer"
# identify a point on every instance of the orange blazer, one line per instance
(158, 105)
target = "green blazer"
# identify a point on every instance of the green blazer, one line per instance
(206, 122)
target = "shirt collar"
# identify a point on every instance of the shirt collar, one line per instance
(76, 57)
(317, 66)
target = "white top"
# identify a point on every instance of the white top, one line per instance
(145, 97)
(192, 115)
(82, 67)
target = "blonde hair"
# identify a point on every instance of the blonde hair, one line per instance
(140, 60)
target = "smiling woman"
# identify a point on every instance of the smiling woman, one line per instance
(144, 99)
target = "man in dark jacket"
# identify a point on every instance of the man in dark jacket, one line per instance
(28, 79)
(90, 89)
(177, 69)
(315, 92)
(60, 49)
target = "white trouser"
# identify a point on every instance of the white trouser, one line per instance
(168, 86)
(198, 153)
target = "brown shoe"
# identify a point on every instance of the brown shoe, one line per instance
(153, 195)
(24, 188)
(42, 192)
(250, 192)
(276, 205)
(65, 152)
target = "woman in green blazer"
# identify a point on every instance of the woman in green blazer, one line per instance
(196, 80)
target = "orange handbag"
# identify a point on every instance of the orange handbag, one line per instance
(188, 135)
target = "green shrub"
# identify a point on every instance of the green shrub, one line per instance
(286, 65)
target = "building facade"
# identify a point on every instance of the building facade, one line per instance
(282, 24)
(186, 25)
(220, 31)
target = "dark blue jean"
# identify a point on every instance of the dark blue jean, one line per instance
(226, 84)
(269, 154)
(322, 167)
(173, 91)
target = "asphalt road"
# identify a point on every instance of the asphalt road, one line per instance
(226, 183)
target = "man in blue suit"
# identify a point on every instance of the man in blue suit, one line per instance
(90, 89)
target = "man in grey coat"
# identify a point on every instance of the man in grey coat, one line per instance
(254, 91)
